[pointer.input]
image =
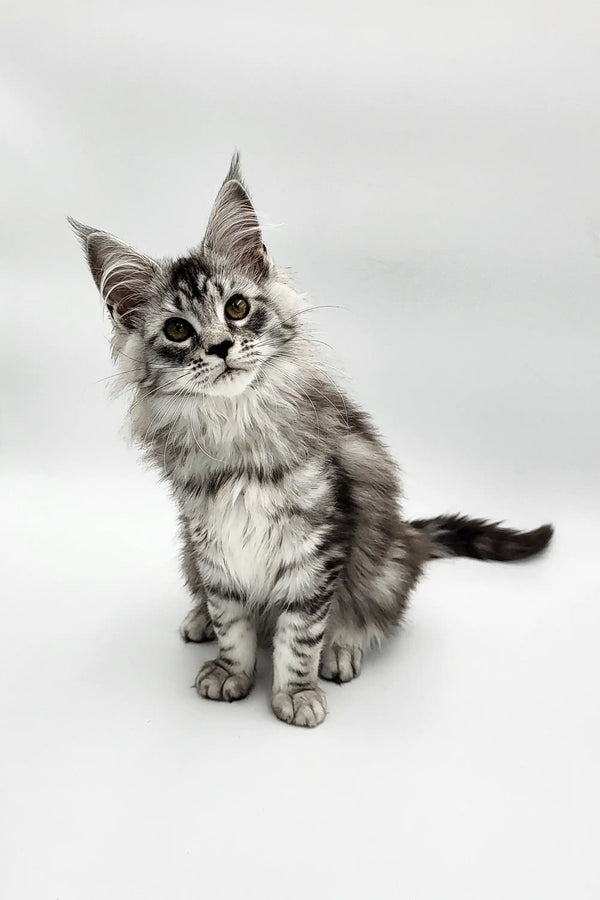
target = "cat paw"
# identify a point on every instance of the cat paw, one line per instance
(197, 626)
(306, 708)
(216, 682)
(340, 663)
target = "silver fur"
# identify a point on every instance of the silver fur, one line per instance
(288, 500)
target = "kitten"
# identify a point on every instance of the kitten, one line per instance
(289, 502)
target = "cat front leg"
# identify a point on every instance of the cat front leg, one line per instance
(297, 699)
(229, 676)
(197, 625)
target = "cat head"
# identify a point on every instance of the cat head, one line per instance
(208, 322)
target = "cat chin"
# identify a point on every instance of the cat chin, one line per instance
(231, 384)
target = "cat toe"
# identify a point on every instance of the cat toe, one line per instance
(306, 708)
(197, 627)
(341, 663)
(216, 682)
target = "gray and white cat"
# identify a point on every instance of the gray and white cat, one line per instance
(289, 502)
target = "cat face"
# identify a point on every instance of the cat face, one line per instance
(206, 327)
(209, 330)
(205, 323)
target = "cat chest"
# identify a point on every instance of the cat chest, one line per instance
(259, 539)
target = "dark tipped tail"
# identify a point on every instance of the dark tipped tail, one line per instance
(478, 539)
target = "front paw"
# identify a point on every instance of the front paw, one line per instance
(216, 682)
(197, 626)
(307, 707)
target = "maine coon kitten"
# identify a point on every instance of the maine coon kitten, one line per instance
(288, 501)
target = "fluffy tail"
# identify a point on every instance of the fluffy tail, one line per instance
(478, 539)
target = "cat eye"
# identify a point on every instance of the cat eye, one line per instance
(237, 307)
(178, 330)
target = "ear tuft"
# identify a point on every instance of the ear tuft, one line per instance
(81, 231)
(235, 172)
(122, 275)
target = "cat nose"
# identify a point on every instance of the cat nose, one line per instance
(220, 349)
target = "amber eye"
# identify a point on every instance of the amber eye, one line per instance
(237, 307)
(178, 329)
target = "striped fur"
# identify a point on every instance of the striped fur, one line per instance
(478, 539)
(289, 502)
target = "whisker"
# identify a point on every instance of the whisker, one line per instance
(158, 417)
(199, 445)
(282, 342)
(301, 389)
(179, 410)
(311, 309)
(118, 374)
(122, 352)
(160, 387)
(163, 414)
(303, 337)
(323, 369)
(300, 313)
(273, 393)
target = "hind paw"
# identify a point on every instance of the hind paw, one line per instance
(341, 663)
(197, 626)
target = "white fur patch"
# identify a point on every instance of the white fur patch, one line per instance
(247, 531)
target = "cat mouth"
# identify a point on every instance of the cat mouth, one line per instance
(229, 373)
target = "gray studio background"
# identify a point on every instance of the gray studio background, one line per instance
(433, 168)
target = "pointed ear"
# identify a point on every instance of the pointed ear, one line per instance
(233, 230)
(122, 275)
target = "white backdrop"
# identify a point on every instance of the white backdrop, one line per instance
(434, 169)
